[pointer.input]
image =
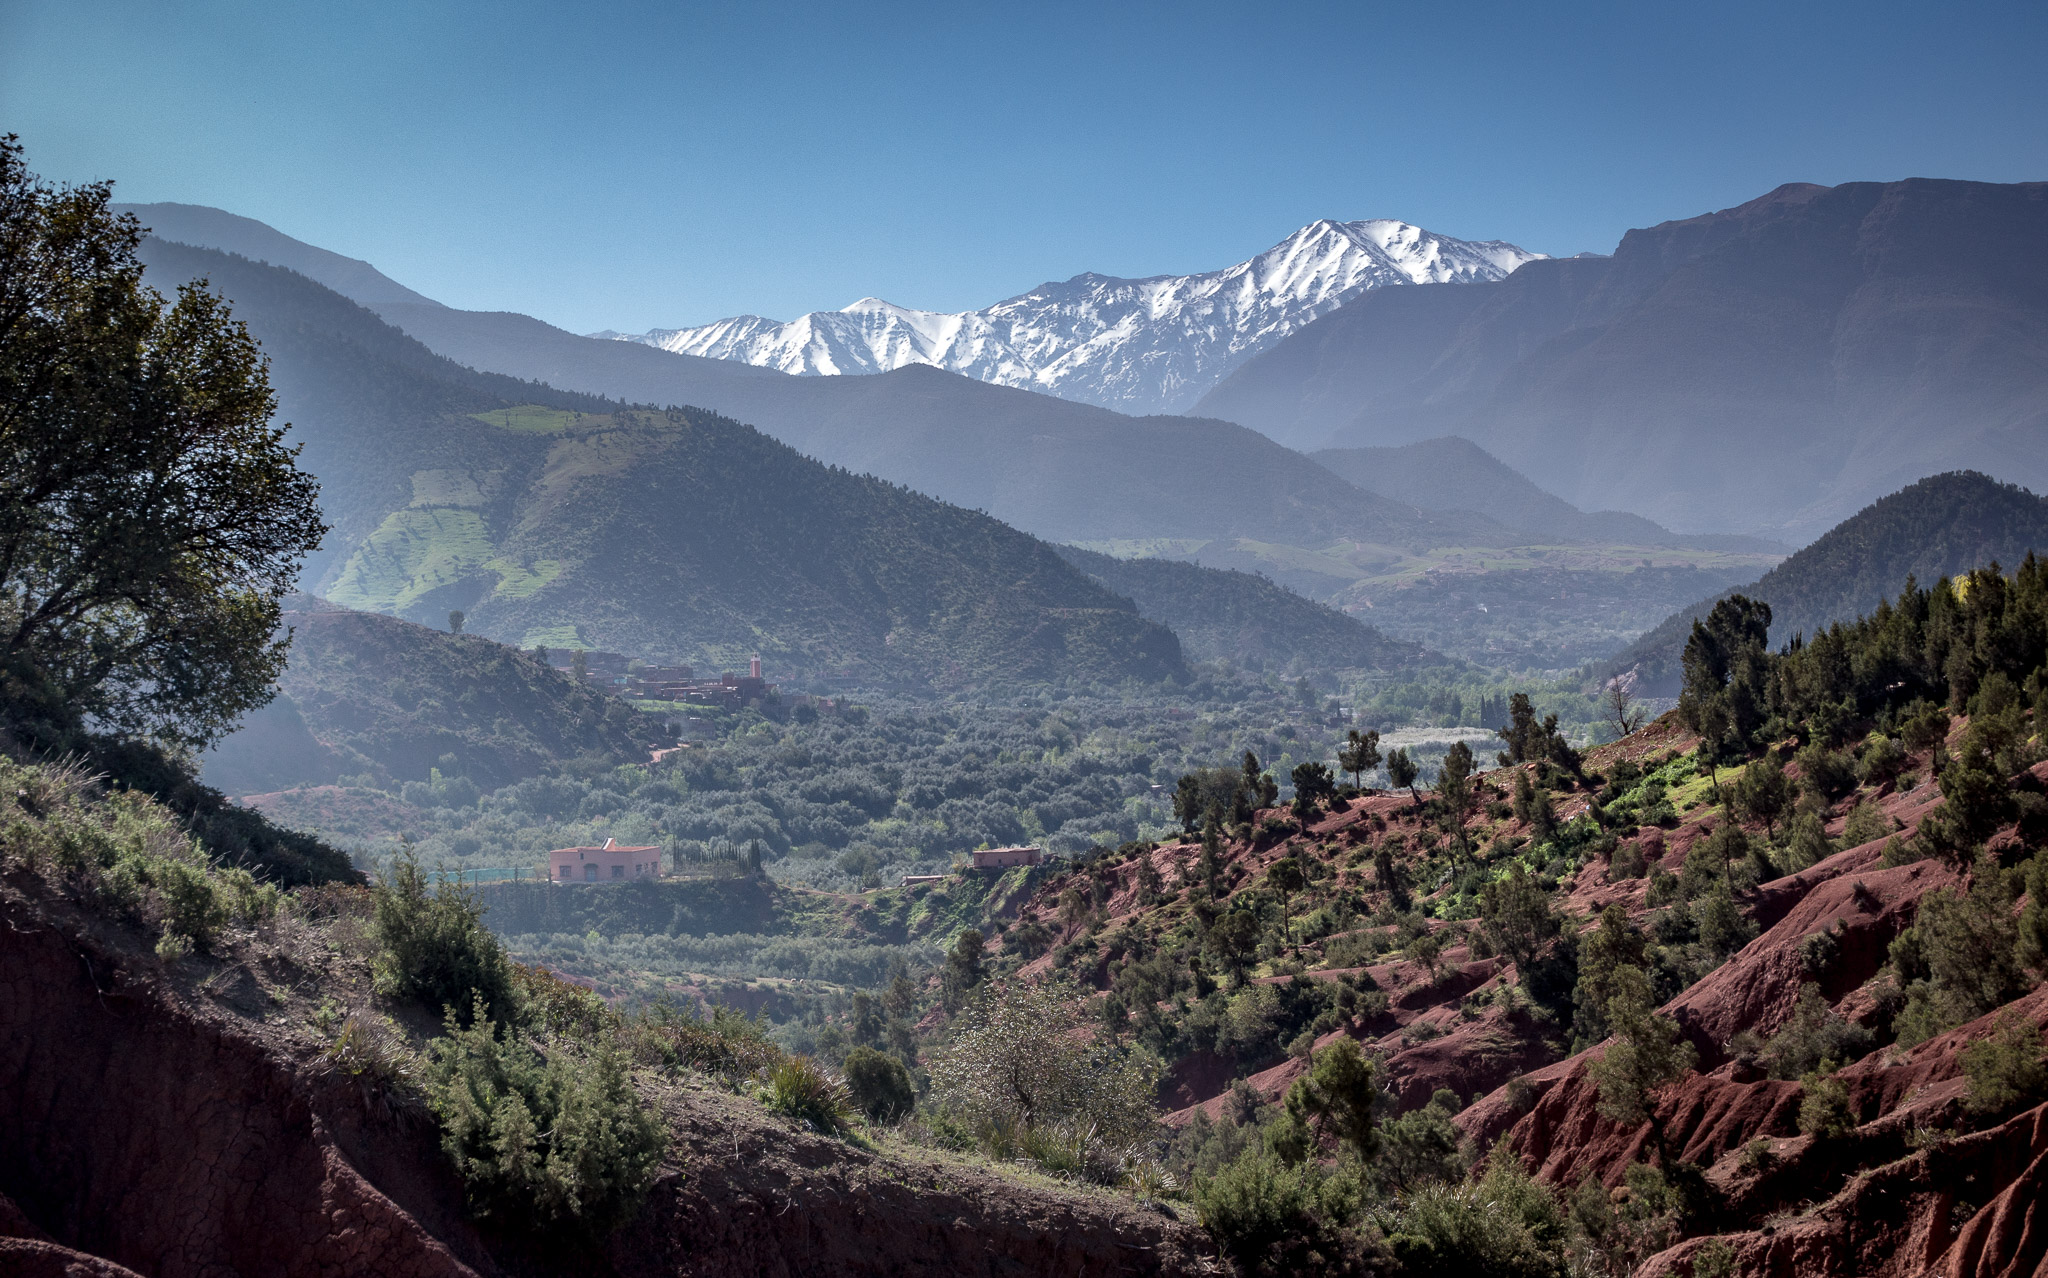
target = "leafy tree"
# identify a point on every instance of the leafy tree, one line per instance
(1613, 945)
(151, 517)
(1815, 1034)
(963, 968)
(1313, 788)
(1647, 1052)
(1234, 939)
(1516, 917)
(879, 1085)
(1261, 789)
(1422, 1146)
(1723, 697)
(1018, 1059)
(1763, 792)
(1285, 877)
(1388, 876)
(1211, 868)
(455, 620)
(1824, 1109)
(2005, 1070)
(1402, 771)
(1454, 787)
(1359, 755)
(1339, 1093)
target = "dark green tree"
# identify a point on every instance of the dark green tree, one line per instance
(152, 518)
(455, 620)
(1313, 788)
(1359, 755)
(1516, 916)
(1726, 673)
(1402, 771)
(1285, 877)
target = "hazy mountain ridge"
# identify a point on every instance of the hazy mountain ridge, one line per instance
(1243, 617)
(679, 534)
(1138, 346)
(367, 693)
(1943, 525)
(1858, 337)
(1452, 473)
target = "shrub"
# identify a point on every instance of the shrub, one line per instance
(1813, 1035)
(879, 1085)
(124, 853)
(551, 1005)
(1018, 1061)
(1503, 1224)
(1824, 1111)
(369, 1050)
(1628, 862)
(726, 1042)
(435, 948)
(541, 1141)
(1273, 1217)
(796, 1087)
(1883, 760)
(1714, 1259)
(2005, 1070)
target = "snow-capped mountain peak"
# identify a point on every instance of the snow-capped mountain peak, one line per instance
(1138, 346)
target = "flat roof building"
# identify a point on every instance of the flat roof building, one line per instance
(1004, 858)
(612, 863)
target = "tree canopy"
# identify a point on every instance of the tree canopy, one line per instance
(152, 518)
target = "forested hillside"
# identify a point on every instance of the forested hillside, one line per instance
(1941, 526)
(385, 701)
(553, 517)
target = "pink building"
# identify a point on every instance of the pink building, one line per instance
(612, 863)
(1004, 858)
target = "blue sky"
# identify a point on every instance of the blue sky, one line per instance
(639, 165)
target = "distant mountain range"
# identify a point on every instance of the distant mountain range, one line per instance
(1137, 346)
(1772, 367)
(1057, 469)
(564, 519)
(1943, 525)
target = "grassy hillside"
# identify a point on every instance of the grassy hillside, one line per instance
(679, 535)
(1243, 617)
(372, 695)
(1943, 525)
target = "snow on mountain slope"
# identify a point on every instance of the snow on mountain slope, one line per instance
(1136, 346)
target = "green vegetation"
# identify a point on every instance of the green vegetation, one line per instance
(123, 854)
(533, 419)
(541, 1140)
(435, 948)
(383, 702)
(151, 516)
(1943, 526)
